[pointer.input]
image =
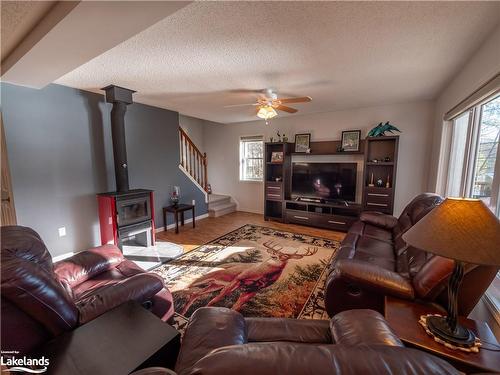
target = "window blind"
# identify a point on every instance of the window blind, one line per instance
(491, 87)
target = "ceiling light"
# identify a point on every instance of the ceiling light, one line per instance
(266, 112)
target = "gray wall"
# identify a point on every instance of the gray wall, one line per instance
(60, 154)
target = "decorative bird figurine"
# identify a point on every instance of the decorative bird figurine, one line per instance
(380, 129)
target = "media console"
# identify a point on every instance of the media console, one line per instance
(379, 154)
(324, 215)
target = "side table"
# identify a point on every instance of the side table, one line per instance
(120, 341)
(403, 317)
(176, 210)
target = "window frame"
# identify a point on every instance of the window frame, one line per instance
(242, 160)
(467, 183)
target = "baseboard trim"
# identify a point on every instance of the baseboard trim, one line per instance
(171, 226)
(63, 256)
(250, 211)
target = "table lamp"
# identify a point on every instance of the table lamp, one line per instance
(466, 231)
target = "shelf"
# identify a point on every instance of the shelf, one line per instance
(330, 153)
(382, 163)
(378, 187)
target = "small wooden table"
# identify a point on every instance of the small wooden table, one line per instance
(178, 208)
(120, 341)
(403, 317)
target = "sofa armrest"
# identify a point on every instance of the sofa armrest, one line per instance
(379, 219)
(210, 328)
(291, 330)
(139, 288)
(374, 278)
(362, 327)
(87, 264)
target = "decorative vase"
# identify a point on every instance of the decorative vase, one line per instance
(175, 195)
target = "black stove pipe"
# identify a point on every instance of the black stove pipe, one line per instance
(120, 97)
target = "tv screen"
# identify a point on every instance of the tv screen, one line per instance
(328, 181)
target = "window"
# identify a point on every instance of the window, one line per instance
(251, 158)
(485, 180)
(474, 165)
(460, 127)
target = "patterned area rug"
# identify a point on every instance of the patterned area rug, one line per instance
(255, 270)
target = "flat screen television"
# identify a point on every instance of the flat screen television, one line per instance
(327, 181)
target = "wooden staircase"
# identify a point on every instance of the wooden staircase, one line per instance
(194, 164)
(193, 161)
(219, 205)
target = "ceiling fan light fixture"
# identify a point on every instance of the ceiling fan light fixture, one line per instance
(267, 112)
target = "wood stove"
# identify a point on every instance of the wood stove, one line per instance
(126, 217)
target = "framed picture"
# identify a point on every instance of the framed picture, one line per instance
(351, 140)
(277, 157)
(302, 142)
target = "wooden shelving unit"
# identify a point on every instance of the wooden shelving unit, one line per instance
(276, 180)
(380, 198)
(277, 203)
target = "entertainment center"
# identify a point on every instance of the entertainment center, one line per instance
(322, 194)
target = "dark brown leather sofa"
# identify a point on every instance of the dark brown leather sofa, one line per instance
(221, 341)
(374, 261)
(40, 300)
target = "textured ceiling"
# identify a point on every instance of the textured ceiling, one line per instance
(18, 18)
(342, 54)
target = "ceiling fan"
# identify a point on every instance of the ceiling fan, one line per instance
(269, 103)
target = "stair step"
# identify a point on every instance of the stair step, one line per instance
(221, 209)
(215, 199)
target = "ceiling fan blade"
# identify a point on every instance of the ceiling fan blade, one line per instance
(286, 109)
(241, 105)
(302, 99)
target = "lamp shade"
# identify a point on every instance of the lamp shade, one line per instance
(461, 229)
(266, 112)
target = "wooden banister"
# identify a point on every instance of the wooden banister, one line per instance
(193, 160)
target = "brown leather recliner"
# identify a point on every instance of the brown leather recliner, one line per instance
(221, 341)
(374, 261)
(41, 300)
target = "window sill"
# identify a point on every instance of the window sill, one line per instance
(253, 181)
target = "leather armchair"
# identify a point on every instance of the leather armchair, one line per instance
(374, 261)
(222, 341)
(41, 300)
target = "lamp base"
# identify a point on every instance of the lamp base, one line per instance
(460, 337)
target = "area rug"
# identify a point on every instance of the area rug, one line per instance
(255, 270)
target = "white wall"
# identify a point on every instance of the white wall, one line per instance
(221, 142)
(483, 65)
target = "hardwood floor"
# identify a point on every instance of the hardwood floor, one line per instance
(209, 229)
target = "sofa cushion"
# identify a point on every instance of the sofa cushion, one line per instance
(210, 328)
(372, 231)
(379, 219)
(139, 288)
(87, 264)
(298, 359)
(368, 249)
(313, 331)
(113, 276)
(362, 327)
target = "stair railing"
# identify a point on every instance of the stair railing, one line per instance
(193, 160)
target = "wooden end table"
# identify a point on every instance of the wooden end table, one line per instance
(176, 210)
(403, 317)
(122, 340)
